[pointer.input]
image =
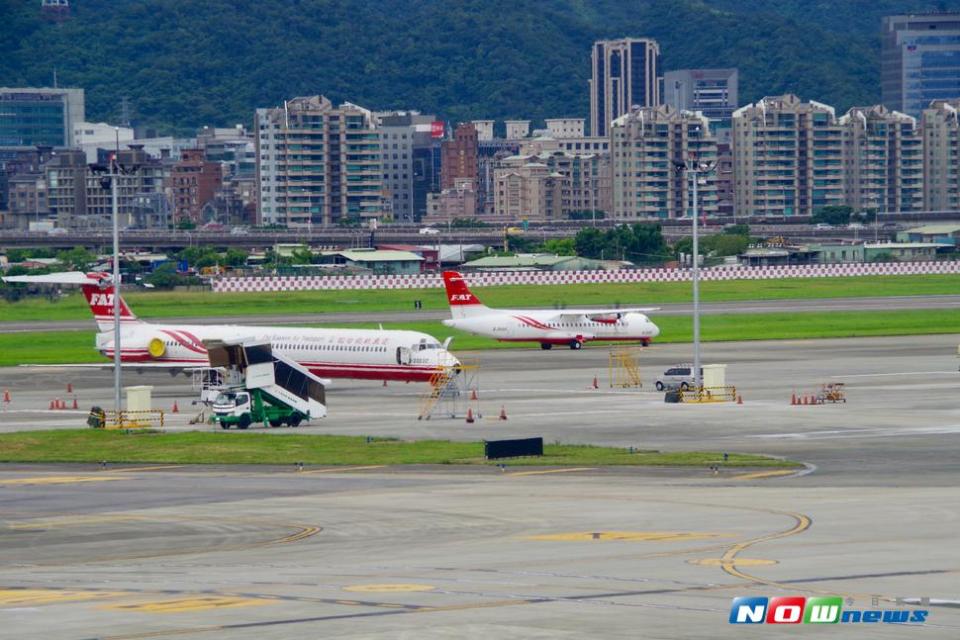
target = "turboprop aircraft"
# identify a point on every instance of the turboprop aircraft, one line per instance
(366, 354)
(571, 327)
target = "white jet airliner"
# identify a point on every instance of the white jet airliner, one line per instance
(571, 327)
(366, 354)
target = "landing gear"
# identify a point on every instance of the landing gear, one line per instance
(576, 345)
(546, 346)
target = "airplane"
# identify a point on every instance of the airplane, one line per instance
(572, 327)
(363, 354)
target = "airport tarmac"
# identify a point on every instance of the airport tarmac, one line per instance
(884, 303)
(441, 552)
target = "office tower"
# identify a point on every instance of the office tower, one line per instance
(919, 61)
(883, 160)
(788, 157)
(32, 117)
(625, 74)
(318, 164)
(713, 92)
(646, 146)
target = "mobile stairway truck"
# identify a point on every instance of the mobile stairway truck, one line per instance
(260, 386)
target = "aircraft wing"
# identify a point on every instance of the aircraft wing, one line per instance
(578, 313)
(108, 366)
(66, 277)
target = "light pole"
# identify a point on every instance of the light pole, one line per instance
(693, 169)
(114, 189)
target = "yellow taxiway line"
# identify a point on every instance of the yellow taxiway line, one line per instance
(757, 475)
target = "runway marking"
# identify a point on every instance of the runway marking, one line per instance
(57, 480)
(893, 373)
(388, 588)
(625, 536)
(757, 475)
(49, 596)
(184, 605)
(877, 432)
(343, 469)
(743, 562)
(540, 473)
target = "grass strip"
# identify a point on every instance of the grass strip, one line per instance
(91, 445)
(75, 347)
(166, 304)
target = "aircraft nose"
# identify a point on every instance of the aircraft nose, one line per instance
(654, 330)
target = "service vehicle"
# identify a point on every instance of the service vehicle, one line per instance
(679, 376)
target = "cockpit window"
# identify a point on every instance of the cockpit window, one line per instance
(428, 345)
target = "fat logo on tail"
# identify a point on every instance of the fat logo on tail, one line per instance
(462, 301)
(100, 299)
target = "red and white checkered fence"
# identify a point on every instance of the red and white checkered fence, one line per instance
(431, 281)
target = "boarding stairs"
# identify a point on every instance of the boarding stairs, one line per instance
(250, 364)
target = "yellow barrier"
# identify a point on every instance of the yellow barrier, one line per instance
(709, 394)
(132, 419)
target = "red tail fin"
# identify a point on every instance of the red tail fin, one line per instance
(461, 299)
(100, 300)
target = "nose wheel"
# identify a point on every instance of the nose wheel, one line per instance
(546, 346)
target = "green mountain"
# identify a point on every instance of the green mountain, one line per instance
(182, 63)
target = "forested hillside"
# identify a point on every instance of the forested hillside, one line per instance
(183, 63)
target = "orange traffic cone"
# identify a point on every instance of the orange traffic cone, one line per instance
(793, 400)
(503, 413)
(75, 405)
(596, 383)
(61, 404)
(175, 409)
(53, 405)
(470, 416)
(6, 395)
(69, 387)
(739, 399)
(473, 394)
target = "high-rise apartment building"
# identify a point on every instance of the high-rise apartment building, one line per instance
(788, 157)
(32, 117)
(883, 160)
(713, 92)
(584, 180)
(624, 74)
(920, 61)
(402, 135)
(318, 164)
(459, 156)
(565, 127)
(941, 156)
(527, 190)
(646, 146)
(193, 183)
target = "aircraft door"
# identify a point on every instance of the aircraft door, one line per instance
(403, 355)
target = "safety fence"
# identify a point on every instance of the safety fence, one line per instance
(429, 281)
